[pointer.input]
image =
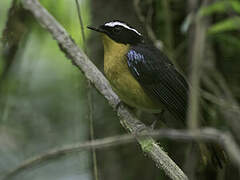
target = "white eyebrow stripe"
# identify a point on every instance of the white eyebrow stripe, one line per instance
(112, 24)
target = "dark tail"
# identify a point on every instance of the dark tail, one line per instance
(213, 154)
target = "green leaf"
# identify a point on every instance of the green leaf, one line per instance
(229, 24)
(236, 6)
(217, 7)
(220, 7)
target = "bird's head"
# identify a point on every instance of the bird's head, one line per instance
(120, 32)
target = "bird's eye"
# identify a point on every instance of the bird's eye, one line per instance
(117, 29)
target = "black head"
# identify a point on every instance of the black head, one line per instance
(120, 32)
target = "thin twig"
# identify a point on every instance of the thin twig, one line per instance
(206, 135)
(218, 100)
(199, 44)
(89, 95)
(91, 128)
(81, 24)
(229, 109)
(78, 58)
(152, 36)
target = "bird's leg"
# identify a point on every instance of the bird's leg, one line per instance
(121, 103)
(159, 116)
(136, 112)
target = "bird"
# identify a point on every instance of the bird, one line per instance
(141, 75)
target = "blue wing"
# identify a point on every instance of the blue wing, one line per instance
(159, 78)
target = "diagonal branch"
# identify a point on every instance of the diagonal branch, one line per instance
(206, 135)
(79, 59)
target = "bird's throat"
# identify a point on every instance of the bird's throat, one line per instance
(111, 46)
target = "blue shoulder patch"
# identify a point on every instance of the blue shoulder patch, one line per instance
(133, 59)
(135, 56)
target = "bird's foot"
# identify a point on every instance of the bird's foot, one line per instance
(120, 103)
(159, 116)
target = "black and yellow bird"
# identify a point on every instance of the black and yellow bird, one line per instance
(140, 74)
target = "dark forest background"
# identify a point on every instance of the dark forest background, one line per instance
(44, 98)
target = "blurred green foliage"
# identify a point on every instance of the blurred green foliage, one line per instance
(231, 7)
(224, 33)
(66, 13)
(222, 6)
(43, 97)
(229, 24)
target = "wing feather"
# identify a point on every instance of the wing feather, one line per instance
(159, 78)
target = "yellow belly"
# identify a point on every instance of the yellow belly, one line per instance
(122, 81)
(130, 92)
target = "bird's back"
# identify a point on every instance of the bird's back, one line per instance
(159, 78)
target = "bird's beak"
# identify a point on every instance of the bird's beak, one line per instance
(96, 29)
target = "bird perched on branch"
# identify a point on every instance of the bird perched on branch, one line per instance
(140, 74)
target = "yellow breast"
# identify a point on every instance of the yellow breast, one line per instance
(121, 79)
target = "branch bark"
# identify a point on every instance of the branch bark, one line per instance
(79, 59)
